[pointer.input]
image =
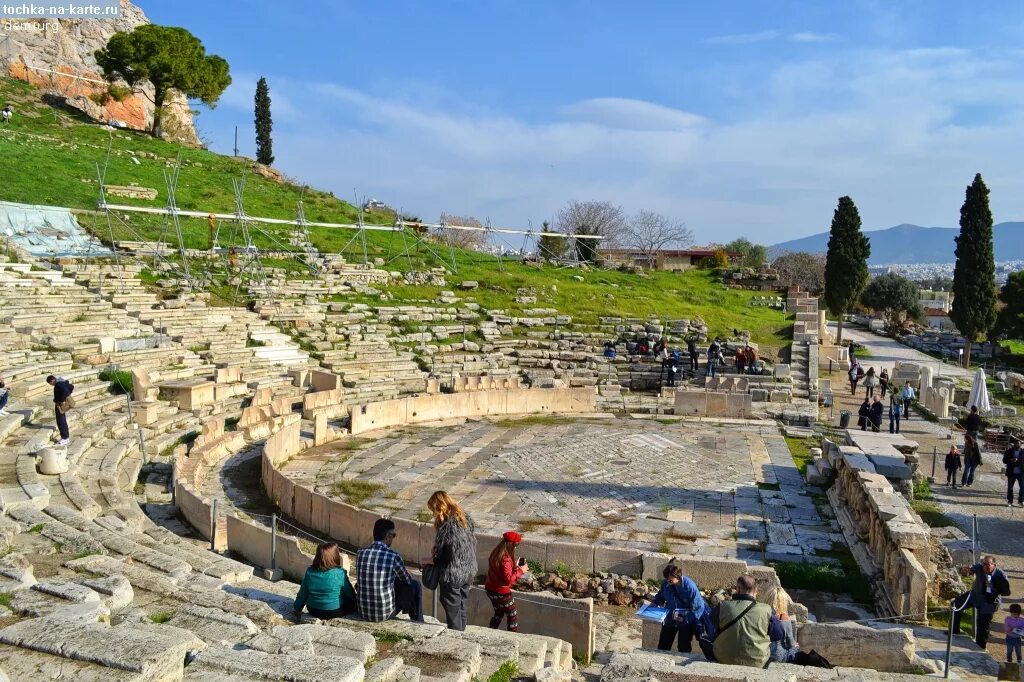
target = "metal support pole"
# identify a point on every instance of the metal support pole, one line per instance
(434, 603)
(174, 481)
(935, 454)
(974, 560)
(273, 542)
(213, 526)
(949, 639)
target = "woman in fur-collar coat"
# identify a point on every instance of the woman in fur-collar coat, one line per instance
(454, 556)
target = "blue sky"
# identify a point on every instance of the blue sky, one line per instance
(739, 118)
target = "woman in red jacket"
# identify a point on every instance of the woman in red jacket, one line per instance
(502, 573)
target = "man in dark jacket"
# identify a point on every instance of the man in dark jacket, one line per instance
(1014, 461)
(990, 586)
(876, 414)
(62, 389)
(691, 348)
(973, 422)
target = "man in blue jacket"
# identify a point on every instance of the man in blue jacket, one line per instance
(62, 389)
(688, 613)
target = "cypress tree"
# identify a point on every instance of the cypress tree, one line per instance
(264, 124)
(974, 277)
(846, 263)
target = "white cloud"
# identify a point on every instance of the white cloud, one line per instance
(242, 92)
(743, 38)
(632, 114)
(811, 37)
(884, 127)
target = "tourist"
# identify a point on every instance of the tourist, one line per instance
(972, 460)
(876, 414)
(883, 381)
(609, 349)
(990, 586)
(454, 557)
(1014, 461)
(864, 415)
(5, 395)
(688, 614)
(691, 349)
(741, 360)
(786, 649)
(746, 628)
(895, 410)
(973, 422)
(953, 464)
(871, 382)
(714, 351)
(1013, 626)
(672, 367)
(503, 572)
(855, 373)
(326, 591)
(62, 403)
(385, 587)
(753, 360)
(907, 395)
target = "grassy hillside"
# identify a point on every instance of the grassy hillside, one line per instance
(50, 157)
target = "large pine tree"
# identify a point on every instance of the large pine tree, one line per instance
(264, 124)
(974, 277)
(846, 264)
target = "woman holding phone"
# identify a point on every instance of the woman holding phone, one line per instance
(503, 572)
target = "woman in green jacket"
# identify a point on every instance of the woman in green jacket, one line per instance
(326, 591)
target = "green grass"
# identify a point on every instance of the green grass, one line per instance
(120, 380)
(800, 448)
(563, 570)
(506, 673)
(846, 578)
(938, 617)
(161, 617)
(355, 491)
(534, 420)
(926, 507)
(536, 568)
(385, 637)
(5, 599)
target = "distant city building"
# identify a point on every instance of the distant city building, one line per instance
(680, 259)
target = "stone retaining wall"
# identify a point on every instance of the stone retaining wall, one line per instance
(883, 531)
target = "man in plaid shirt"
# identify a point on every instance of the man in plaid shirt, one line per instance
(384, 586)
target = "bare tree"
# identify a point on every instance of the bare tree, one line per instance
(465, 239)
(649, 232)
(601, 218)
(802, 269)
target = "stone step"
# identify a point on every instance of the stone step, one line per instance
(154, 652)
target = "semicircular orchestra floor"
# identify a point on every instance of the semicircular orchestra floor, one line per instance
(679, 486)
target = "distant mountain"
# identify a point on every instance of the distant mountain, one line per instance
(916, 244)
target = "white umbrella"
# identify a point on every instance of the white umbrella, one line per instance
(979, 393)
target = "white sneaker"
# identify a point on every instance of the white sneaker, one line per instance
(63, 441)
(4, 413)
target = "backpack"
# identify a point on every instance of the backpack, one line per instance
(812, 659)
(860, 371)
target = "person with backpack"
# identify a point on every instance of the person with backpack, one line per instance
(856, 372)
(62, 403)
(745, 627)
(688, 614)
(714, 352)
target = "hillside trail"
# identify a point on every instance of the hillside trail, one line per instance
(1000, 528)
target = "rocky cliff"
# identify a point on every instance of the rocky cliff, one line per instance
(56, 54)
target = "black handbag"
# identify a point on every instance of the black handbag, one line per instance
(431, 577)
